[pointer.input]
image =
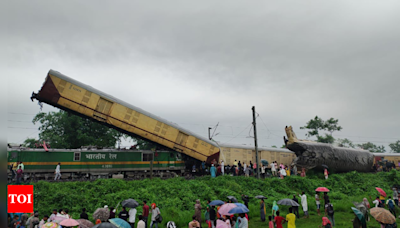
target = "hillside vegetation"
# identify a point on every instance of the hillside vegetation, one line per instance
(175, 197)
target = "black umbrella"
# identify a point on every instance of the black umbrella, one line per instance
(105, 225)
(288, 202)
(260, 197)
(131, 203)
(232, 198)
(325, 166)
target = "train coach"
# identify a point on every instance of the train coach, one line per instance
(87, 164)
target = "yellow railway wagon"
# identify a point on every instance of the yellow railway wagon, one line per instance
(391, 157)
(229, 153)
(68, 94)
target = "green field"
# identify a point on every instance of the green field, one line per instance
(175, 197)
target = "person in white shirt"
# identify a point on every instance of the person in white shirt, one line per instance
(317, 202)
(54, 214)
(243, 221)
(244, 167)
(141, 223)
(132, 216)
(21, 165)
(222, 167)
(304, 204)
(58, 172)
(283, 173)
(43, 221)
(273, 169)
(376, 202)
(263, 171)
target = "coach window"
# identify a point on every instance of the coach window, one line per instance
(147, 157)
(77, 156)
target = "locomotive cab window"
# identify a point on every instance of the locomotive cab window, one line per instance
(77, 156)
(147, 157)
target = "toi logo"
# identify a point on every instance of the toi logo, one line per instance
(20, 199)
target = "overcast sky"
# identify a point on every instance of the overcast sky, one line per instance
(197, 63)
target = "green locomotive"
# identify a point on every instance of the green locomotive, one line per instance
(83, 164)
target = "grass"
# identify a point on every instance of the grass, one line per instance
(175, 197)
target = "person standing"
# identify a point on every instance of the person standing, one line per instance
(326, 173)
(255, 168)
(222, 167)
(283, 173)
(303, 172)
(245, 199)
(213, 171)
(296, 208)
(19, 175)
(154, 212)
(287, 169)
(34, 221)
(330, 212)
(263, 171)
(279, 220)
(132, 217)
(112, 213)
(304, 204)
(43, 221)
(262, 210)
(213, 216)
(58, 172)
(326, 198)
(194, 223)
(145, 212)
(273, 169)
(294, 170)
(275, 209)
(391, 204)
(54, 214)
(197, 210)
(141, 223)
(317, 201)
(123, 214)
(21, 165)
(243, 221)
(84, 215)
(246, 170)
(291, 219)
(395, 196)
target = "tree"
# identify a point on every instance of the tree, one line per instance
(372, 147)
(395, 147)
(63, 130)
(317, 124)
(145, 145)
(30, 143)
(345, 143)
(274, 146)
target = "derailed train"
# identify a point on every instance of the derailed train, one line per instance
(77, 98)
(313, 155)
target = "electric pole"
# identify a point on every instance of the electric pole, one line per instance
(255, 141)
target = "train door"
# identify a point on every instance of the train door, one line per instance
(102, 110)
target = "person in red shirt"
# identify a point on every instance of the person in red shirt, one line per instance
(279, 220)
(145, 212)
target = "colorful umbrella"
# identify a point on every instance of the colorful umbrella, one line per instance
(383, 193)
(101, 213)
(69, 223)
(105, 225)
(83, 223)
(120, 223)
(382, 215)
(216, 203)
(322, 189)
(359, 214)
(238, 210)
(224, 209)
(50, 225)
(240, 205)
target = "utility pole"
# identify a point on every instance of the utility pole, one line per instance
(255, 141)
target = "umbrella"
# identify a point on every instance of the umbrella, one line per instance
(322, 189)
(101, 213)
(131, 203)
(83, 223)
(238, 210)
(216, 203)
(264, 162)
(58, 219)
(232, 198)
(120, 223)
(359, 214)
(224, 209)
(288, 202)
(382, 215)
(105, 225)
(240, 205)
(69, 223)
(260, 197)
(50, 225)
(383, 193)
(325, 166)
